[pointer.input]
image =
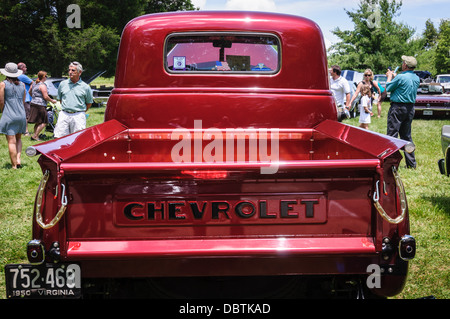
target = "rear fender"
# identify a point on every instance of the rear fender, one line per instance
(378, 145)
(51, 196)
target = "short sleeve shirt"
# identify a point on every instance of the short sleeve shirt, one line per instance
(340, 88)
(74, 96)
(404, 87)
(25, 79)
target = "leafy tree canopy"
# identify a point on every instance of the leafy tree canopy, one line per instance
(442, 57)
(37, 32)
(377, 41)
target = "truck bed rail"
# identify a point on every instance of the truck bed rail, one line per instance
(130, 167)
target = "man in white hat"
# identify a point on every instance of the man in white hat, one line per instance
(403, 88)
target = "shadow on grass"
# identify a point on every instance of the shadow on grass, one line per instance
(442, 203)
(9, 166)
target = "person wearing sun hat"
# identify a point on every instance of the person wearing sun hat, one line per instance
(403, 88)
(13, 121)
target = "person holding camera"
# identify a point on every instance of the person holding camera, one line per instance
(403, 88)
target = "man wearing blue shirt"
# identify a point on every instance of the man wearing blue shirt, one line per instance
(76, 98)
(27, 81)
(403, 88)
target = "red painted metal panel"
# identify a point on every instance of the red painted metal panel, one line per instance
(141, 167)
(378, 145)
(219, 247)
(79, 142)
(221, 108)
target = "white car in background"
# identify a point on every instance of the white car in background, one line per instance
(444, 80)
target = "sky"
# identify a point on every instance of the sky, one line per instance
(329, 14)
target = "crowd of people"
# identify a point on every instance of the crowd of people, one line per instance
(403, 88)
(24, 101)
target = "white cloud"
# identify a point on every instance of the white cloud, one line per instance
(199, 3)
(251, 5)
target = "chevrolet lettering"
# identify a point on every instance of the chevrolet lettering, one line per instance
(301, 210)
(221, 170)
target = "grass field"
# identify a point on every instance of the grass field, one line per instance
(428, 194)
(428, 197)
(103, 81)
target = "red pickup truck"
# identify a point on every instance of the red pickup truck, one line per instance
(220, 170)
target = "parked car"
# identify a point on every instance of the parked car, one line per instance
(100, 95)
(431, 101)
(353, 78)
(381, 80)
(444, 163)
(444, 80)
(424, 76)
(52, 85)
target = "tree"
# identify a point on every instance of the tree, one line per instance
(154, 6)
(38, 32)
(376, 42)
(96, 46)
(113, 14)
(430, 35)
(442, 58)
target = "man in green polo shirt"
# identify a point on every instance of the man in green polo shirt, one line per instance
(403, 88)
(76, 98)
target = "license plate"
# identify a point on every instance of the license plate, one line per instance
(43, 281)
(427, 112)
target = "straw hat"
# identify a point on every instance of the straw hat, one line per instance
(11, 70)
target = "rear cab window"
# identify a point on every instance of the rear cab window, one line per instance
(222, 53)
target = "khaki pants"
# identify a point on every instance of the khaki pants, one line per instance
(69, 123)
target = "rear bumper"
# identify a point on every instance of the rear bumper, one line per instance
(349, 256)
(431, 111)
(223, 257)
(79, 250)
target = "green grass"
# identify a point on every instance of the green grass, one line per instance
(103, 81)
(428, 198)
(18, 189)
(428, 194)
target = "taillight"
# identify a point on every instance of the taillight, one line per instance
(206, 174)
(407, 247)
(35, 252)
